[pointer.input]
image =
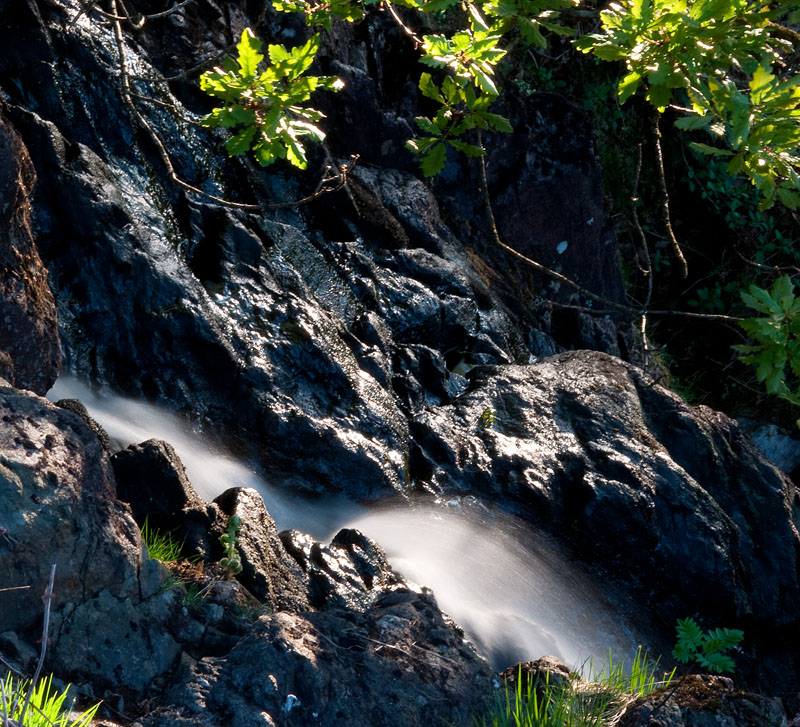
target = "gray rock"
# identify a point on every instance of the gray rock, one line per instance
(152, 480)
(351, 572)
(58, 506)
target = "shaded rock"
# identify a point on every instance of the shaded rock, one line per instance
(350, 573)
(58, 506)
(28, 319)
(267, 570)
(536, 174)
(151, 478)
(704, 701)
(380, 667)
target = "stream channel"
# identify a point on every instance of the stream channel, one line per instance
(513, 592)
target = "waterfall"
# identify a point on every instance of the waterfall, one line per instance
(515, 594)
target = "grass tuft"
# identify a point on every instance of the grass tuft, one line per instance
(46, 708)
(161, 546)
(596, 701)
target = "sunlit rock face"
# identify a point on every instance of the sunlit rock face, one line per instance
(644, 483)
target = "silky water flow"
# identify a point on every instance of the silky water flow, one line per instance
(513, 592)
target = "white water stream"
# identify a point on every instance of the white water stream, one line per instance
(516, 596)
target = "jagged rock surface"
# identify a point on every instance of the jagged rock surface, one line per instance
(398, 663)
(334, 344)
(670, 496)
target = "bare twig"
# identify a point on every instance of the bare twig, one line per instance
(14, 588)
(48, 599)
(648, 270)
(676, 248)
(85, 10)
(770, 268)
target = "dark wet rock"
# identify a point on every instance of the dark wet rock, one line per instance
(152, 480)
(57, 506)
(248, 322)
(351, 572)
(28, 319)
(267, 570)
(704, 701)
(337, 667)
(669, 496)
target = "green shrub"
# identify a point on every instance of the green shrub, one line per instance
(776, 337)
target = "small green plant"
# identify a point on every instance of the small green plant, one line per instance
(267, 106)
(706, 648)
(46, 707)
(162, 547)
(487, 418)
(231, 562)
(776, 335)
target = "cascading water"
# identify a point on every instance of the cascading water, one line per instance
(512, 591)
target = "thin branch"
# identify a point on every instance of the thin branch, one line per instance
(410, 33)
(85, 10)
(676, 248)
(648, 271)
(48, 599)
(770, 268)
(14, 588)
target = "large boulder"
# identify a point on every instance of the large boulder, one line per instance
(58, 507)
(673, 498)
(28, 319)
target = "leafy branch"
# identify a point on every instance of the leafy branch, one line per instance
(712, 60)
(777, 337)
(267, 105)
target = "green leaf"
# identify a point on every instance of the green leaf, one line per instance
(692, 122)
(433, 162)
(497, 122)
(240, 143)
(469, 149)
(483, 80)
(627, 86)
(427, 126)
(710, 150)
(248, 53)
(789, 198)
(428, 88)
